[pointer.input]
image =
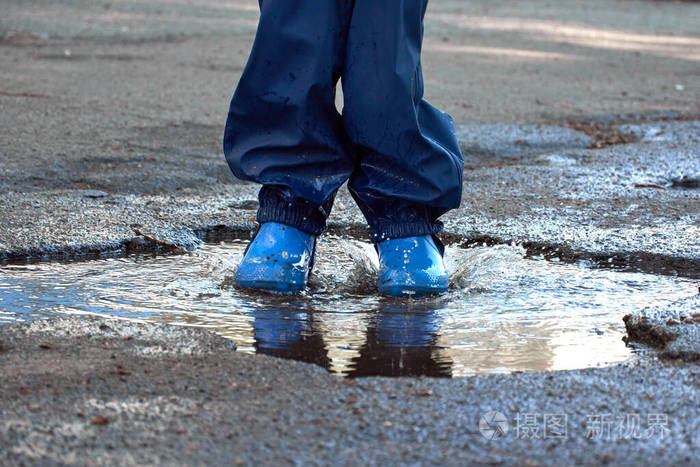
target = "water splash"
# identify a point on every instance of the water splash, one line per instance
(346, 266)
(354, 271)
(475, 269)
(504, 312)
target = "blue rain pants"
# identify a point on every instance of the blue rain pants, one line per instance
(398, 153)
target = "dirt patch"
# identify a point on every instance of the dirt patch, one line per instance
(685, 356)
(604, 131)
(639, 329)
(603, 135)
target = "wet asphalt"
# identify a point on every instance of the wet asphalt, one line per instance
(112, 117)
(110, 392)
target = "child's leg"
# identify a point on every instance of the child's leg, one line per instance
(283, 130)
(410, 165)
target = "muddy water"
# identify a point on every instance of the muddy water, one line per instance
(504, 312)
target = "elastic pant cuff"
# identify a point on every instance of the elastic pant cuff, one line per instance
(278, 206)
(381, 232)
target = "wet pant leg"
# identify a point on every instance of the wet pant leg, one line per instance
(283, 130)
(409, 165)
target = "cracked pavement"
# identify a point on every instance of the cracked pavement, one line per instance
(112, 116)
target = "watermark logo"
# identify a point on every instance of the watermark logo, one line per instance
(493, 425)
(603, 426)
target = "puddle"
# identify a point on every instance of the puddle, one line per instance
(504, 312)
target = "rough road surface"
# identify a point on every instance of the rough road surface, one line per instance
(580, 124)
(113, 115)
(110, 392)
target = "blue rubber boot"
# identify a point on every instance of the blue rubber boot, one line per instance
(411, 266)
(279, 259)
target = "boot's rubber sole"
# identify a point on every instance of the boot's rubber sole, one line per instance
(394, 290)
(271, 286)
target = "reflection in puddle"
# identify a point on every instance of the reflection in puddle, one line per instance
(504, 312)
(396, 341)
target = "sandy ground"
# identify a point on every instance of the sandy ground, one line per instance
(112, 116)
